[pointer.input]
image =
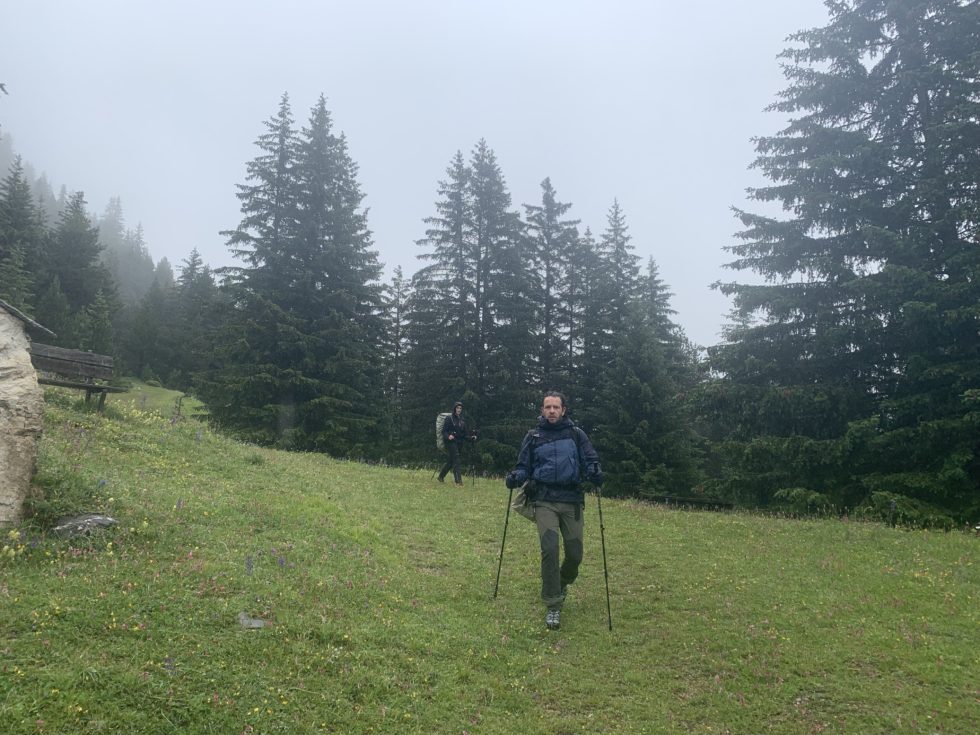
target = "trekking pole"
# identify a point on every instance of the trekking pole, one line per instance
(605, 566)
(474, 459)
(510, 497)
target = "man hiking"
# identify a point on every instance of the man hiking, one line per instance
(454, 433)
(553, 460)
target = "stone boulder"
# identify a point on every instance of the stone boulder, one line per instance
(21, 417)
(83, 524)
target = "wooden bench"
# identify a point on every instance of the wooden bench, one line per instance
(84, 368)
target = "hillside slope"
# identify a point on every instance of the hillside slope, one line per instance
(374, 589)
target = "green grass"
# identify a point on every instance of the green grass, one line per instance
(154, 399)
(377, 582)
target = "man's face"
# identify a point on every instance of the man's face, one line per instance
(459, 410)
(552, 409)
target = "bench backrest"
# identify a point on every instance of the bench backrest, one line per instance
(70, 362)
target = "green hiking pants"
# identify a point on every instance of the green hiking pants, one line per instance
(567, 520)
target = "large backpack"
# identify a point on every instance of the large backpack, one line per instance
(440, 420)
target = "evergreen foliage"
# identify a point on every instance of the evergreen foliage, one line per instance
(507, 323)
(125, 254)
(471, 326)
(16, 284)
(634, 373)
(76, 294)
(20, 239)
(551, 238)
(394, 344)
(848, 379)
(197, 301)
(297, 360)
(431, 377)
(152, 338)
(97, 335)
(849, 372)
(507, 310)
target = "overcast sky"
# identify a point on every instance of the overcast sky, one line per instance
(649, 102)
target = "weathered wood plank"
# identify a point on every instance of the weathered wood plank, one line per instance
(48, 359)
(70, 362)
(63, 353)
(91, 387)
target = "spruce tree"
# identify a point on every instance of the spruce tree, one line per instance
(111, 227)
(340, 282)
(432, 379)
(197, 298)
(244, 390)
(621, 263)
(469, 326)
(47, 204)
(449, 239)
(639, 423)
(54, 312)
(848, 373)
(588, 338)
(98, 334)
(73, 254)
(439, 313)
(394, 344)
(134, 268)
(298, 363)
(613, 286)
(16, 283)
(636, 373)
(150, 340)
(501, 265)
(70, 268)
(20, 239)
(552, 238)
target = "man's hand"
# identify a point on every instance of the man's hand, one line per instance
(451, 437)
(511, 481)
(595, 474)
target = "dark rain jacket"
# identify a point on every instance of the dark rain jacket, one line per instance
(556, 457)
(455, 425)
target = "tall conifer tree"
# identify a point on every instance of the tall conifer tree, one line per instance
(852, 368)
(635, 371)
(71, 271)
(394, 343)
(21, 239)
(552, 239)
(501, 265)
(298, 364)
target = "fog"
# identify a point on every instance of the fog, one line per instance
(647, 102)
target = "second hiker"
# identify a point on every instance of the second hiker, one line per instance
(454, 433)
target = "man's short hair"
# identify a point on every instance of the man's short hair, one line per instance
(556, 394)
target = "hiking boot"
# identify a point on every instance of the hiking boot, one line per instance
(442, 479)
(553, 619)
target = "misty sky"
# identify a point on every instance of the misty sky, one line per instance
(649, 102)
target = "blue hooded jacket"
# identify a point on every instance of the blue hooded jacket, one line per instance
(556, 457)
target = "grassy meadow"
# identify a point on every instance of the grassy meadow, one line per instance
(374, 587)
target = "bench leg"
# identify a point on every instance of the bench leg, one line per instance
(102, 401)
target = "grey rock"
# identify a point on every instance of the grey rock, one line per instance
(82, 524)
(250, 623)
(21, 417)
